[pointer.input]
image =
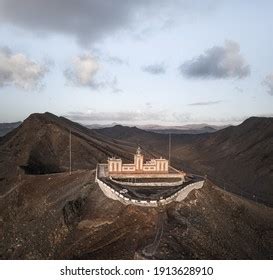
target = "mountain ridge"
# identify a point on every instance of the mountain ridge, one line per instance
(41, 143)
(69, 217)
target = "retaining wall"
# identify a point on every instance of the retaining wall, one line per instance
(182, 194)
(178, 196)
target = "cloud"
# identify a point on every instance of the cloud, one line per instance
(121, 116)
(111, 59)
(86, 20)
(217, 63)
(239, 89)
(148, 117)
(155, 69)
(18, 70)
(113, 84)
(205, 103)
(148, 105)
(82, 72)
(91, 20)
(268, 82)
(182, 117)
(115, 60)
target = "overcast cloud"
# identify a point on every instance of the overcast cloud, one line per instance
(205, 103)
(122, 116)
(239, 89)
(155, 69)
(18, 70)
(217, 63)
(268, 83)
(188, 67)
(87, 20)
(144, 117)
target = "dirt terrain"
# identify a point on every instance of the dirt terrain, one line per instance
(239, 158)
(45, 213)
(62, 216)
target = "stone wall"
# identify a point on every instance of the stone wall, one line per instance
(182, 194)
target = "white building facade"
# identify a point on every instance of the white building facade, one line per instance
(160, 165)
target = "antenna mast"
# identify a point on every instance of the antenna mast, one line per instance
(170, 144)
(70, 155)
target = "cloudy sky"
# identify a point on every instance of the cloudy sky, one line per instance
(137, 62)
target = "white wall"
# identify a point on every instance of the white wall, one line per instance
(178, 196)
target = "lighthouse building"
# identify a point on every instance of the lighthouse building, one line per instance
(115, 165)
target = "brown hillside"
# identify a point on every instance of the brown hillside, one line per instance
(239, 158)
(49, 216)
(40, 145)
(68, 217)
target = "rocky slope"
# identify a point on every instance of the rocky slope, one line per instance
(57, 215)
(40, 145)
(239, 158)
(68, 217)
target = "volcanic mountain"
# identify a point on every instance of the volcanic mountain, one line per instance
(238, 158)
(45, 213)
(40, 145)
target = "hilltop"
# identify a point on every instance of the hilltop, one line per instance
(238, 158)
(69, 217)
(40, 145)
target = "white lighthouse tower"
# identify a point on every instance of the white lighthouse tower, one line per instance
(138, 160)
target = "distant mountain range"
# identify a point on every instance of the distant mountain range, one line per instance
(183, 129)
(241, 157)
(7, 127)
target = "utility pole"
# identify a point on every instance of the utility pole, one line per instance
(170, 143)
(70, 155)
